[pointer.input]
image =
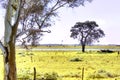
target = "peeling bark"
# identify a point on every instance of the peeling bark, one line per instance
(9, 62)
(8, 48)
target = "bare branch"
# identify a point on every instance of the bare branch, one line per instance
(31, 31)
(3, 49)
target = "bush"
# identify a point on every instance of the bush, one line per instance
(76, 59)
(21, 54)
(24, 74)
(102, 74)
(24, 77)
(30, 54)
(72, 75)
(50, 76)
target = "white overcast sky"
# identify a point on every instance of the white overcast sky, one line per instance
(105, 12)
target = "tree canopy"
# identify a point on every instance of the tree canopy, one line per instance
(86, 32)
(38, 14)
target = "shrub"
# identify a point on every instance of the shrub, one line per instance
(30, 54)
(21, 54)
(50, 76)
(76, 59)
(102, 74)
(73, 75)
(24, 77)
(24, 74)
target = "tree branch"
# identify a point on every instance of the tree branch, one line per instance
(54, 8)
(31, 30)
(3, 49)
(17, 14)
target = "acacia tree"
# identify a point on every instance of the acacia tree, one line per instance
(33, 15)
(86, 32)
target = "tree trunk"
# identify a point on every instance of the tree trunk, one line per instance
(83, 43)
(9, 53)
(8, 48)
(9, 62)
(83, 48)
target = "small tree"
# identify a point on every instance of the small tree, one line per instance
(86, 32)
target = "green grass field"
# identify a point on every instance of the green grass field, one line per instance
(77, 46)
(66, 65)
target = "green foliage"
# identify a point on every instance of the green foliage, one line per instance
(30, 54)
(86, 32)
(22, 54)
(76, 59)
(24, 75)
(50, 76)
(37, 14)
(73, 75)
(102, 74)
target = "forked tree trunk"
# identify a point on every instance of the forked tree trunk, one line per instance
(8, 48)
(9, 62)
(9, 56)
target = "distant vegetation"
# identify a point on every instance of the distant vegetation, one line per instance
(74, 46)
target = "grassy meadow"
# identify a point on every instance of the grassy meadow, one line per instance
(66, 65)
(76, 46)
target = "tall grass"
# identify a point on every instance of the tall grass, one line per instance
(60, 63)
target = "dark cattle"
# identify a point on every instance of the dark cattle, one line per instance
(106, 51)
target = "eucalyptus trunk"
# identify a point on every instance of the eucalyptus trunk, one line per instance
(9, 62)
(8, 48)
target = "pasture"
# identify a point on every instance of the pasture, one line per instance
(66, 65)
